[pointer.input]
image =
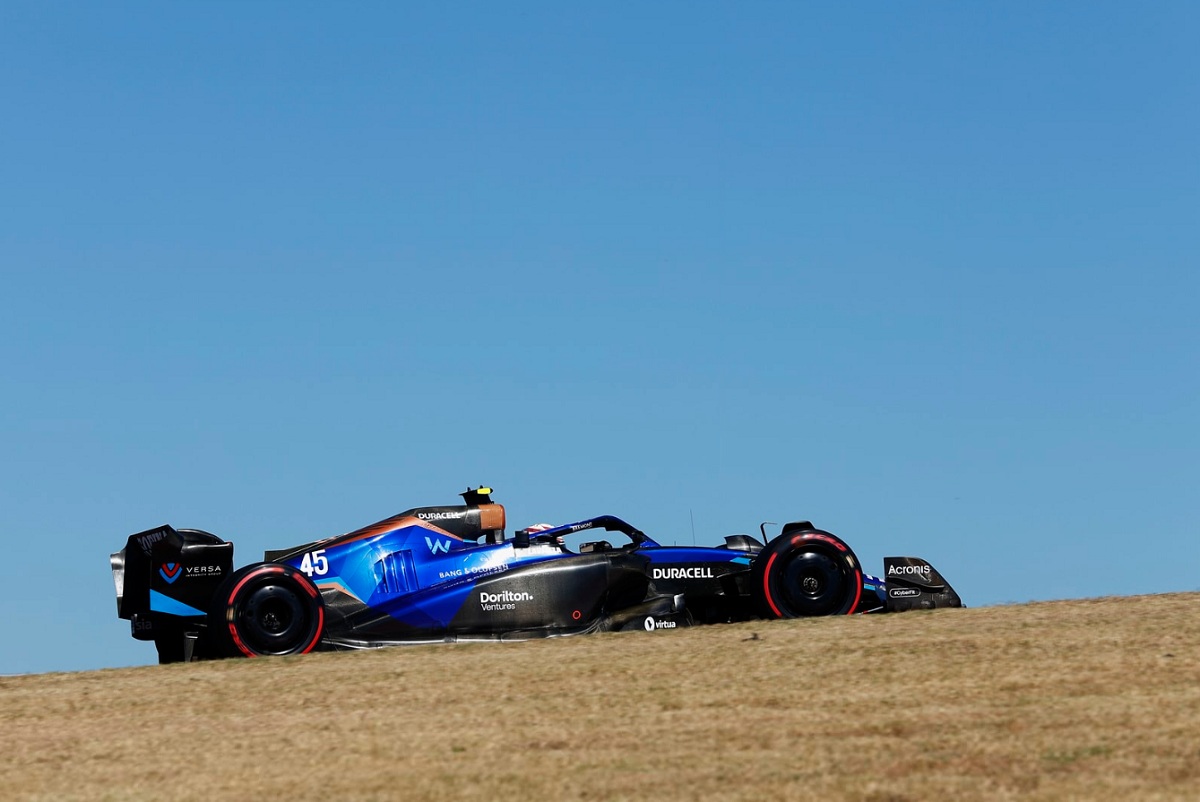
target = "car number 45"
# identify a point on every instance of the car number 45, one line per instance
(315, 562)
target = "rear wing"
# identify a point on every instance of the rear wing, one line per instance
(165, 574)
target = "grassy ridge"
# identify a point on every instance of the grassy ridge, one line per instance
(1081, 699)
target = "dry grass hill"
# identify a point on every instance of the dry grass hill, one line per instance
(1092, 699)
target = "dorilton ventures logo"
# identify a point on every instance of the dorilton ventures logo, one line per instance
(504, 600)
(170, 572)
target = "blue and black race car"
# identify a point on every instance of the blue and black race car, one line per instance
(450, 573)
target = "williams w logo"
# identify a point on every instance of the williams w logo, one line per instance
(170, 572)
(437, 546)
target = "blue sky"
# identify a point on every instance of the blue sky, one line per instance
(924, 273)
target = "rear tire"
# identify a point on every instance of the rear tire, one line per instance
(267, 609)
(806, 573)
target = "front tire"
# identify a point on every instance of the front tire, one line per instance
(806, 573)
(267, 609)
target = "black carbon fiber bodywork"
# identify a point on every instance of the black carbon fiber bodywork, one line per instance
(448, 573)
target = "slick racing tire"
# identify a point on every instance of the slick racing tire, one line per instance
(806, 573)
(267, 609)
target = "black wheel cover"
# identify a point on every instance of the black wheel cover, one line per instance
(272, 619)
(812, 583)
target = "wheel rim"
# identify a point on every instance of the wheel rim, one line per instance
(272, 619)
(813, 583)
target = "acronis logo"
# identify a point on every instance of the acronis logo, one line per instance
(170, 572)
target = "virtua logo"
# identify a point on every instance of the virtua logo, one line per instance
(437, 546)
(170, 572)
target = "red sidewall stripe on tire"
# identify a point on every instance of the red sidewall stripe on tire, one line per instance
(311, 589)
(767, 585)
(857, 589)
(316, 633)
(837, 544)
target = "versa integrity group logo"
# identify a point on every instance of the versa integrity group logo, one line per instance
(170, 572)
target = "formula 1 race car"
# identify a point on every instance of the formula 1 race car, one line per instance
(450, 573)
